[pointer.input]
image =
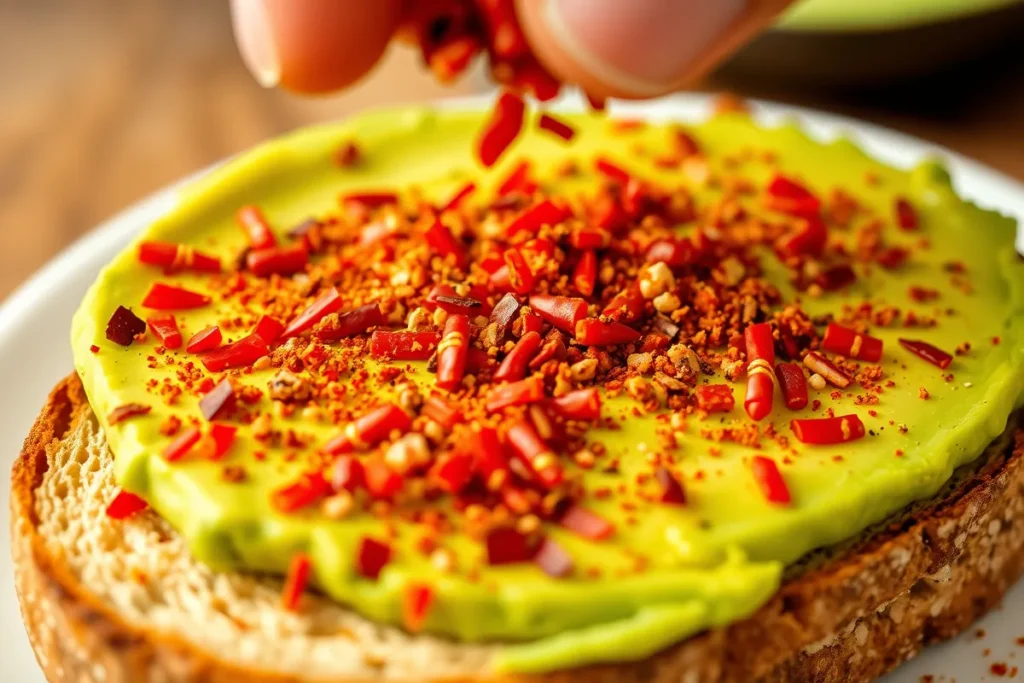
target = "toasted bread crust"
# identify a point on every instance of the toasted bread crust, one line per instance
(922, 578)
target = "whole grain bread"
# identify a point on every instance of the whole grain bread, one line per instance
(110, 601)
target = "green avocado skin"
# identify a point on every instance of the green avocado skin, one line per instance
(710, 563)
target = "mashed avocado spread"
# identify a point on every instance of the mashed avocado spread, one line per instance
(949, 277)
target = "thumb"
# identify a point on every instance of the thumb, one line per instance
(639, 48)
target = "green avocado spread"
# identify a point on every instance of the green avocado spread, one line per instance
(669, 571)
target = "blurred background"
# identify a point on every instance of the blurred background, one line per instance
(104, 101)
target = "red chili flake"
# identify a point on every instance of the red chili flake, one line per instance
(536, 217)
(368, 200)
(295, 581)
(204, 340)
(561, 311)
(892, 258)
(417, 599)
(452, 351)
(488, 451)
(220, 398)
(458, 304)
(596, 332)
(672, 491)
(589, 238)
(223, 437)
(165, 328)
(441, 240)
(308, 489)
(520, 277)
(626, 307)
(582, 404)
(846, 342)
(163, 297)
(770, 480)
(370, 429)
(255, 226)
(328, 302)
(535, 454)
(836, 278)
(127, 411)
(123, 326)
(793, 385)
(350, 323)
(94, 349)
(828, 430)
(612, 170)
(177, 257)
(391, 345)
(553, 559)
(518, 180)
(515, 363)
(348, 474)
(788, 196)
(926, 351)
(454, 471)
(529, 390)
(827, 369)
(125, 505)
(382, 482)
(178, 448)
(372, 557)
(269, 329)
(906, 214)
(507, 546)
(674, 253)
(456, 201)
(556, 127)
(715, 398)
(277, 260)
(502, 129)
(586, 523)
(998, 669)
(584, 277)
(810, 239)
(442, 412)
(241, 354)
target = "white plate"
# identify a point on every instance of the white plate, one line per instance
(35, 353)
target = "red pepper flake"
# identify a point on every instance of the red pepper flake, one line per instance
(452, 352)
(626, 307)
(417, 599)
(308, 489)
(596, 332)
(372, 557)
(827, 369)
(220, 398)
(204, 340)
(514, 366)
(612, 170)
(460, 196)
(94, 349)
(926, 351)
(556, 127)
(502, 129)
(998, 669)
(851, 344)
(770, 480)
(561, 311)
(715, 398)
(178, 448)
(177, 257)
(760, 348)
(786, 195)
(441, 240)
(223, 437)
(348, 474)
(586, 523)
(295, 582)
(529, 390)
(582, 404)
(127, 411)
(256, 228)
(370, 429)
(165, 328)
(278, 260)
(241, 354)
(520, 277)
(505, 545)
(123, 326)
(392, 345)
(535, 454)
(836, 278)
(454, 471)
(793, 385)
(368, 200)
(674, 253)
(162, 297)
(442, 412)
(518, 180)
(125, 505)
(325, 304)
(892, 258)
(808, 240)
(584, 276)
(828, 430)
(923, 294)
(536, 217)
(553, 559)
(906, 214)
(269, 329)
(348, 324)
(672, 492)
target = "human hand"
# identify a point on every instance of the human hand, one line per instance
(612, 48)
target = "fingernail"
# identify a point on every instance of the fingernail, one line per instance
(256, 40)
(640, 46)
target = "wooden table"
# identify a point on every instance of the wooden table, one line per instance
(106, 101)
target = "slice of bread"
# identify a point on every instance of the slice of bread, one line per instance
(115, 601)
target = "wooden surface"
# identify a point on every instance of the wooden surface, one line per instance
(104, 101)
